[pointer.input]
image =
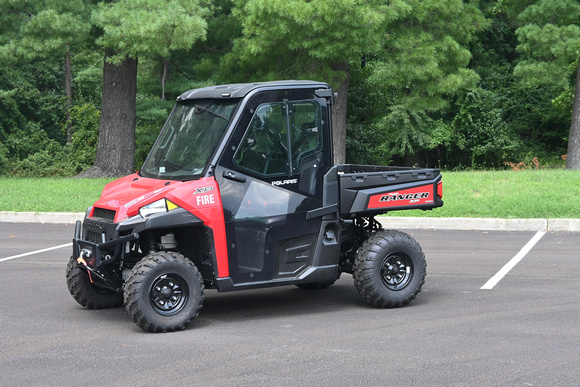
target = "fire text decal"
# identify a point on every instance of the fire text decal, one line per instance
(204, 200)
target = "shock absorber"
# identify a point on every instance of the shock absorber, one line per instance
(151, 242)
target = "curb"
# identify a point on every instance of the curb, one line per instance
(483, 224)
(390, 222)
(41, 217)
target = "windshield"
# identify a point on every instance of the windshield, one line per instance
(188, 139)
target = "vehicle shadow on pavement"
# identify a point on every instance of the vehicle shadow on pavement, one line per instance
(97, 316)
(290, 301)
(260, 304)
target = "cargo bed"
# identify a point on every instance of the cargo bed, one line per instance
(372, 190)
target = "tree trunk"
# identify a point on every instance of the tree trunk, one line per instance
(116, 146)
(68, 91)
(164, 78)
(573, 158)
(339, 115)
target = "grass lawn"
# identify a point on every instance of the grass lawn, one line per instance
(49, 194)
(487, 194)
(508, 194)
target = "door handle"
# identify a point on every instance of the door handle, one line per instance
(232, 176)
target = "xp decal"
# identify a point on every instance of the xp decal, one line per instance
(203, 190)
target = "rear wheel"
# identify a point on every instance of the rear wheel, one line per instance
(88, 294)
(389, 269)
(164, 292)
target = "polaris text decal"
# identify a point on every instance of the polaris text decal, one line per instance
(284, 182)
(405, 197)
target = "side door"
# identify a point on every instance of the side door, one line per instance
(270, 176)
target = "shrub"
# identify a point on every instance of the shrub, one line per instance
(85, 127)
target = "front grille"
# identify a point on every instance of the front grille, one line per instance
(94, 237)
(99, 229)
(104, 213)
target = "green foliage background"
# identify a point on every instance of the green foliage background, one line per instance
(444, 83)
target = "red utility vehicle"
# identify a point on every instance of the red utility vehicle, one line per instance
(239, 192)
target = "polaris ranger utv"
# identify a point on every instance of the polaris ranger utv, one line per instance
(240, 192)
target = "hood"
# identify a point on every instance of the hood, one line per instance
(125, 196)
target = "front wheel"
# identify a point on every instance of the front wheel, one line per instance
(389, 269)
(164, 292)
(86, 293)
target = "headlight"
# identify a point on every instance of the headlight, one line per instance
(162, 205)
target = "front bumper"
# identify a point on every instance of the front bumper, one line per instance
(100, 241)
(99, 254)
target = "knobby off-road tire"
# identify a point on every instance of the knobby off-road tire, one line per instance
(164, 292)
(389, 269)
(87, 294)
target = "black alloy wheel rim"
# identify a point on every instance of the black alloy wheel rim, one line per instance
(396, 270)
(168, 294)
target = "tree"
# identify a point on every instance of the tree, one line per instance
(307, 39)
(125, 30)
(423, 66)
(550, 48)
(41, 31)
(130, 29)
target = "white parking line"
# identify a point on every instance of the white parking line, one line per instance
(514, 261)
(35, 252)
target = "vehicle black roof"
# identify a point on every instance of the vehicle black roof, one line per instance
(240, 90)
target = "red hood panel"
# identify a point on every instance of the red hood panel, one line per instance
(126, 195)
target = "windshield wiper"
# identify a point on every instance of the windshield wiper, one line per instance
(211, 112)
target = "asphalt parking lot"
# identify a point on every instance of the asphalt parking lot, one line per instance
(524, 330)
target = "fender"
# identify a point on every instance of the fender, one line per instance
(198, 203)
